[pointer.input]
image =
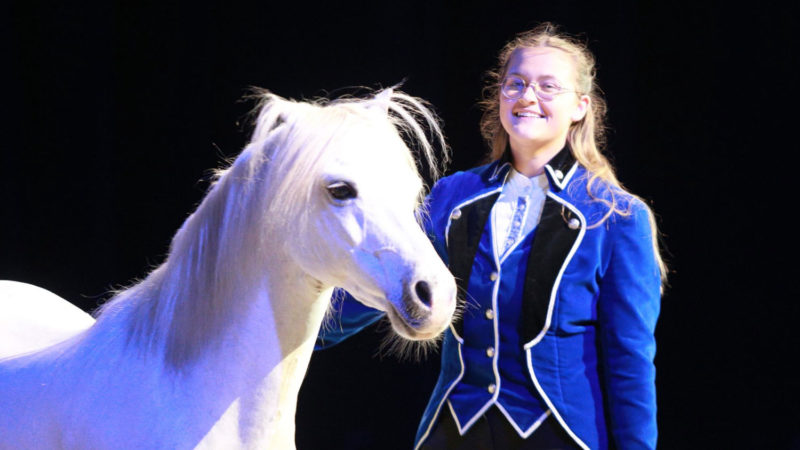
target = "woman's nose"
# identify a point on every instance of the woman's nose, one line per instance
(529, 94)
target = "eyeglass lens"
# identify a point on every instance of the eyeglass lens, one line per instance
(514, 88)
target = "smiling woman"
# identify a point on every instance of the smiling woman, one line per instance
(558, 266)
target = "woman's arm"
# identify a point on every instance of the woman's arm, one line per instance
(628, 307)
(347, 317)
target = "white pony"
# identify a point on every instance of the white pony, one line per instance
(210, 349)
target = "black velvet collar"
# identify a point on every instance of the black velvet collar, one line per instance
(557, 169)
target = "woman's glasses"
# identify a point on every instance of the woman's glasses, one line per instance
(514, 88)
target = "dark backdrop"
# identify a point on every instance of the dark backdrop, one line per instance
(112, 115)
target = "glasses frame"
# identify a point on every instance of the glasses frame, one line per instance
(536, 90)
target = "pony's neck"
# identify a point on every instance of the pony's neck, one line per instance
(270, 311)
(229, 319)
(226, 264)
(242, 373)
(262, 363)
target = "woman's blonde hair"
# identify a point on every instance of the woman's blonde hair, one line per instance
(585, 138)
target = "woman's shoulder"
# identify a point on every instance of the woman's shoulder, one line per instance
(466, 181)
(460, 188)
(483, 171)
(598, 198)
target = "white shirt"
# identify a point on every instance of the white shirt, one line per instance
(533, 192)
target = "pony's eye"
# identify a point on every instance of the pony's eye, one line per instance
(342, 190)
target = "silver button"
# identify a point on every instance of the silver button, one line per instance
(456, 214)
(559, 174)
(490, 314)
(491, 388)
(490, 351)
(574, 224)
(493, 276)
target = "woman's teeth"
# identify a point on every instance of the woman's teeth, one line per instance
(527, 114)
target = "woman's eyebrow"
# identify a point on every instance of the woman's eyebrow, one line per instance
(538, 77)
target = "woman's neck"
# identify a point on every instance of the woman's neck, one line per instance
(530, 161)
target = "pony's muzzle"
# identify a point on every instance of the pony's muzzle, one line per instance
(426, 308)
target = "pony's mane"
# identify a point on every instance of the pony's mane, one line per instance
(413, 118)
(220, 250)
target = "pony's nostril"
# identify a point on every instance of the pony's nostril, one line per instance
(423, 290)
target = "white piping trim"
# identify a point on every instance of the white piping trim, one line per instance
(444, 399)
(550, 404)
(447, 234)
(562, 183)
(461, 205)
(524, 434)
(455, 417)
(570, 173)
(452, 329)
(548, 320)
(455, 335)
(495, 290)
(478, 415)
(497, 170)
(496, 356)
(567, 260)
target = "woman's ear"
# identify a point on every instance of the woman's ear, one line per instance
(584, 103)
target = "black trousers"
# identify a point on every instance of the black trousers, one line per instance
(493, 432)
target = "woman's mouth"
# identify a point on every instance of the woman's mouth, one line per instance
(532, 114)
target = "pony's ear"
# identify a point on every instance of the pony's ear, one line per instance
(278, 121)
(381, 101)
(274, 112)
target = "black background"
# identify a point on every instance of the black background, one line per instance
(113, 113)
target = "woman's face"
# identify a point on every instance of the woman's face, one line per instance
(536, 127)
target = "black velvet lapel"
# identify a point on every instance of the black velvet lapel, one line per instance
(553, 241)
(463, 239)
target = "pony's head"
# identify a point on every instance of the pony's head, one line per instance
(338, 192)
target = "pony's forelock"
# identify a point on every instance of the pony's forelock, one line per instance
(415, 120)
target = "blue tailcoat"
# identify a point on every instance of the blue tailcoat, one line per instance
(589, 308)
